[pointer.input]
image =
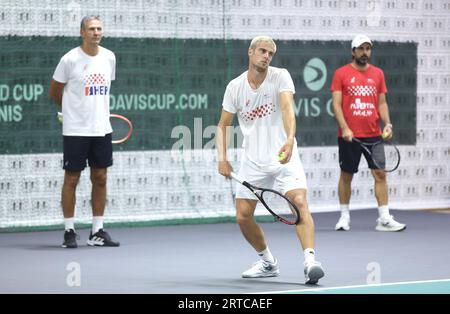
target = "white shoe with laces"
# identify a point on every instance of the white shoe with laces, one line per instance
(262, 269)
(313, 272)
(343, 224)
(389, 224)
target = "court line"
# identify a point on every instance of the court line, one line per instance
(356, 286)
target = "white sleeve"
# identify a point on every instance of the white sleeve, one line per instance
(62, 71)
(229, 103)
(286, 83)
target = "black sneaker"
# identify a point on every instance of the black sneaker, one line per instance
(70, 239)
(101, 238)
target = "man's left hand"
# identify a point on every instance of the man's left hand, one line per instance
(286, 151)
(387, 132)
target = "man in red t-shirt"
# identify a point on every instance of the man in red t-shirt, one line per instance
(359, 102)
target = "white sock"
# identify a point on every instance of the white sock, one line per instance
(266, 256)
(383, 211)
(345, 210)
(309, 255)
(68, 223)
(97, 223)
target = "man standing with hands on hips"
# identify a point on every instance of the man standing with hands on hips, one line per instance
(359, 102)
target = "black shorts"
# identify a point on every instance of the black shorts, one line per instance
(97, 150)
(350, 154)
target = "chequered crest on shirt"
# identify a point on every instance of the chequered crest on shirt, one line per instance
(362, 90)
(94, 79)
(259, 112)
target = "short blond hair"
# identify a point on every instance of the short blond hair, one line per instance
(260, 39)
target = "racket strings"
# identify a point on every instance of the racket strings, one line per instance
(280, 206)
(385, 156)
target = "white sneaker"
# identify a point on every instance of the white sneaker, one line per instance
(313, 272)
(262, 269)
(389, 224)
(343, 224)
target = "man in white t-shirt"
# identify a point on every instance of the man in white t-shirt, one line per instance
(262, 97)
(81, 85)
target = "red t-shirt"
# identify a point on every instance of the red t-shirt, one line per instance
(360, 90)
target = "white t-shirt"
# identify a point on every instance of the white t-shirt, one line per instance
(259, 114)
(85, 103)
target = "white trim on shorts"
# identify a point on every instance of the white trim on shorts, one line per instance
(283, 178)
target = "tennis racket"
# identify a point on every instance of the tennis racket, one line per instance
(122, 127)
(384, 154)
(281, 207)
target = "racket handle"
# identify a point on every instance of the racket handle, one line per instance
(59, 116)
(236, 177)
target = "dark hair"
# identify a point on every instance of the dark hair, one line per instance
(88, 18)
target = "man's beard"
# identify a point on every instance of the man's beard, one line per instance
(362, 61)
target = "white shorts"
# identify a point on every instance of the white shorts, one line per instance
(283, 178)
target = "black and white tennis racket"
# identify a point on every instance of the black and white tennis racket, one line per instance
(281, 207)
(384, 154)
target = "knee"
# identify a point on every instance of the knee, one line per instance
(302, 205)
(243, 218)
(346, 177)
(71, 179)
(379, 175)
(99, 179)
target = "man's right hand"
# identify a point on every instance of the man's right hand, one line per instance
(347, 134)
(225, 168)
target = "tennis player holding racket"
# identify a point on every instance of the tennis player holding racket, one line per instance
(359, 102)
(81, 84)
(262, 97)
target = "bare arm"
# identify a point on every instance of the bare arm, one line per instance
(287, 111)
(222, 140)
(347, 134)
(56, 92)
(383, 110)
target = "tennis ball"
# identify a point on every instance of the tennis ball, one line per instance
(281, 156)
(60, 117)
(384, 135)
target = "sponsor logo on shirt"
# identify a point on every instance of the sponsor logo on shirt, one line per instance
(95, 84)
(362, 109)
